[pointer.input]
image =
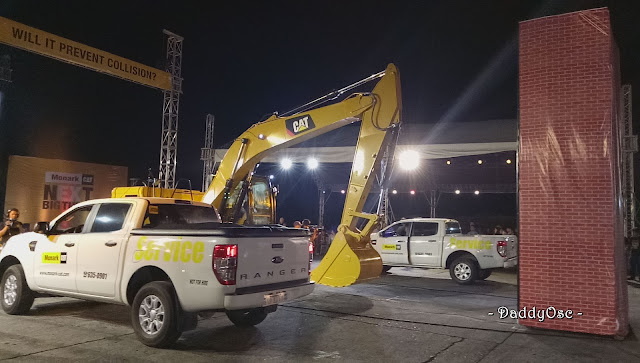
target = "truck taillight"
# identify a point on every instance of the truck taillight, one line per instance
(310, 256)
(501, 246)
(225, 263)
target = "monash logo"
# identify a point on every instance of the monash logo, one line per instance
(299, 125)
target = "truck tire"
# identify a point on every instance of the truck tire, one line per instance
(464, 270)
(16, 296)
(386, 268)
(154, 315)
(247, 317)
(484, 274)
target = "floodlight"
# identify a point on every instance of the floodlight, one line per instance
(312, 164)
(409, 160)
(286, 164)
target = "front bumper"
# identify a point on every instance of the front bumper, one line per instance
(257, 299)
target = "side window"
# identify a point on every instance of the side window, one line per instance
(424, 229)
(452, 228)
(110, 217)
(73, 222)
(397, 230)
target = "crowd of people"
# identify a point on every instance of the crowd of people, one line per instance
(498, 229)
(320, 237)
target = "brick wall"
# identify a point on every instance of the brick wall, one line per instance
(571, 242)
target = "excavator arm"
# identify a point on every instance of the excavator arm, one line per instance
(351, 258)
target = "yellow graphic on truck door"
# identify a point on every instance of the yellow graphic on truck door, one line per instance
(54, 257)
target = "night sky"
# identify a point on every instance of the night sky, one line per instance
(244, 60)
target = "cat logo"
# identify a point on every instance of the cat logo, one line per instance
(299, 125)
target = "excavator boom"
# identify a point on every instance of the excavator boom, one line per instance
(351, 258)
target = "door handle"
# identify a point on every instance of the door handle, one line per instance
(400, 241)
(69, 244)
(110, 243)
(432, 240)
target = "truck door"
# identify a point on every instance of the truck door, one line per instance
(99, 252)
(392, 242)
(56, 257)
(425, 244)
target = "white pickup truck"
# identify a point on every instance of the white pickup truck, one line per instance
(168, 259)
(439, 243)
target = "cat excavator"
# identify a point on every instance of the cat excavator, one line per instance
(243, 197)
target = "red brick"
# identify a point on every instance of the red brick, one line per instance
(571, 244)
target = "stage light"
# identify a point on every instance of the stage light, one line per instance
(342, 191)
(394, 191)
(409, 160)
(508, 161)
(457, 191)
(412, 192)
(312, 164)
(476, 192)
(286, 164)
(479, 162)
(448, 162)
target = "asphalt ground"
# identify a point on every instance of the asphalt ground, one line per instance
(408, 315)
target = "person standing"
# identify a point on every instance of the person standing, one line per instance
(281, 222)
(635, 258)
(11, 226)
(472, 229)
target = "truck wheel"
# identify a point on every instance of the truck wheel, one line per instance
(463, 270)
(386, 268)
(154, 315)
(16, 296)
(484, 274)
(248, 317)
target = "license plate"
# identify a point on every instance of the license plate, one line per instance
(277, 297)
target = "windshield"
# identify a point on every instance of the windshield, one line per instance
(178, 215)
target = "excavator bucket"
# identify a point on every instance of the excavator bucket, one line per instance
(349, 260)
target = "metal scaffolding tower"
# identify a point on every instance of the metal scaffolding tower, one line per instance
(386, 167)
(322, 196)
(5, 68)
(629, 147)
(207, 154)
(170, 105)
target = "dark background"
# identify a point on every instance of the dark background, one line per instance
(458, 62)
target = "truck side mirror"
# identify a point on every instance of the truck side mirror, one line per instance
(41, 227)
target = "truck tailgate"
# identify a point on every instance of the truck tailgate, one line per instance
(272, 260)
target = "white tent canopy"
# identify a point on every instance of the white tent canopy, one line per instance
(430, 141)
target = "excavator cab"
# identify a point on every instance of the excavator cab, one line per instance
(252, 202)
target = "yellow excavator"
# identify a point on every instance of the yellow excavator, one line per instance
(244, 198)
